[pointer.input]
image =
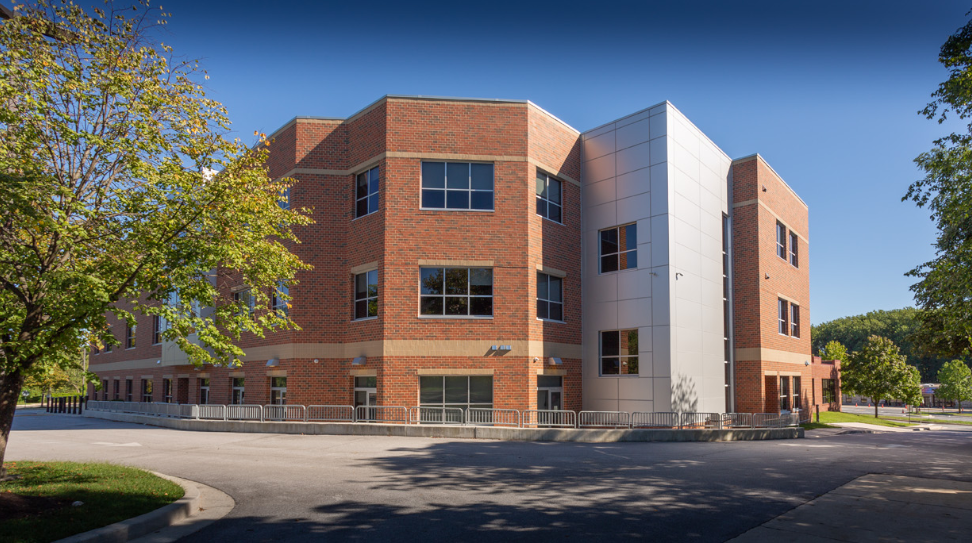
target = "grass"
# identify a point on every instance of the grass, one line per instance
(110, 494)
(837, 416)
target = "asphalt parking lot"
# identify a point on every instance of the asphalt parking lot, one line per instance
(308, 488)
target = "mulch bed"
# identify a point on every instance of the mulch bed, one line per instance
(15, 506)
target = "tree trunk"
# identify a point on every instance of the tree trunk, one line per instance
(877, 401)
(10, 386)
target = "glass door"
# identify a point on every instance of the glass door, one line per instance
(366, 394)
(550, 397)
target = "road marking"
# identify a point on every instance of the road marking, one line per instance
(107, 444)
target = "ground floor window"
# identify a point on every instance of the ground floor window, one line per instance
(237, 386)
(365, 391)
(104, 390)
(460, 391)
(128, 390)
(147, 390)
(796, 396)
(116, 387)
(167, 390)
(278, 390)
(784, 394)
(829, 390)
(550, 392)
(204, 391)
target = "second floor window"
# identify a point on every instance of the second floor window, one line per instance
(456, 292)
(457, 185)
(156, 329)
(366, 295)
(781, 240)
(619, 248)
(366, 193)
(279, 302)
(794, 320)
(619, 352)
(244, 300)
(550, 297)
(782, 315)
(130, 336)
(549, 198)
(794, 256)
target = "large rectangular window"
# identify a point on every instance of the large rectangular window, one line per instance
(457, 185)
(619, 352)
(781, 240)
(366, 295)
(147, 390)
(782, 315)
(794, 255)
(456, 292)
(278, 390)
(366, 193)
(237, 390)
(456, 391)
(828, 390)
(549, 197)
(550, 297)
(794, 320)
(244, 300)
(619, 248)
(204, 391)
(117, 385)
(130, 336)
(167, 390)
(128, 390)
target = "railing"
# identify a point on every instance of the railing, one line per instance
(381, 413)
(737, 420)
(701, 421)
(244, 412)
(660, 419)
(212, 412)
(283, 412)
(330, 413)
(480, 416)
(775, 420)
(436, 415)
(603, 419)
(549, 418)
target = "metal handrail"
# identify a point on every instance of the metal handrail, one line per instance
(653, 419)
(277, 412)
(436, 415)
(244, 412)
(481, 416)
(603, 419)
(698, 421)
(549, 418)
(389, 414)
(212, 412)
(737, 420)
(330, 413)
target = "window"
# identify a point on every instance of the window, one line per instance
(366, 193)
(236, 397)
(829, 390)
(130, 336)
(794, 320)
(244, 299)
(550, 392)
(550, 297)
(784, 394)
(781, 240)
(104, 390)
(456, 391)
(128, 390)
(278, 390)
(147, 390)
(279, 302)
(457, 185)
(619, 352)
(204, 391)
(549, 197)
(456, 292)
(109, 339)
(117, 386)
(781, 310)
(794, 257)
(366, 295)
(365, 391)
(619, 248)
(284, 201)
(167, 390)
(795, 394)
(156, 329)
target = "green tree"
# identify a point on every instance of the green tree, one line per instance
(944, 289)
(878, 370)
(110, 200)
(955, 380)
(834, 350)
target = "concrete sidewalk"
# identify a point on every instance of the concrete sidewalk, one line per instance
(877, 508)
(881, 428)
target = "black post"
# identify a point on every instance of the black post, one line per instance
(64, 404)
(47, 402)
(74, 405)
(82, 405)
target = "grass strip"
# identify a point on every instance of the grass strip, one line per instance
(109, 494)
(830, 417)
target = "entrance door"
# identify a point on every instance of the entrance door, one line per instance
(550, 392)
(366, 394)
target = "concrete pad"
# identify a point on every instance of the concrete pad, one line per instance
(877, 508)
(878, 427)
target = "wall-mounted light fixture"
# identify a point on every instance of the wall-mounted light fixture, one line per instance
(158, 361)
(358, 361)
(555, 361)
(767, 276)
(316, 361)
(273, 362)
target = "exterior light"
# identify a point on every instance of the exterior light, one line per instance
(273, 362)
(556, 361)
(158, 361)
(358, 361)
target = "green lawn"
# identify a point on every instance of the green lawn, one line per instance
(828, 417)
(110, 494)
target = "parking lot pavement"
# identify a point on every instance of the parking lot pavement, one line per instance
(305, 488)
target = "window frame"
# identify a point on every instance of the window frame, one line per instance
(147, 391)
(167, 390)
(204, 385)
(248, 302)
(367, 299)
(781, 231)
(156, 329)
(367, 197)
(278, 389)
(467, 296)
(128, 390)
(547, 202)
(446, 190)
(276, 302)
(794, 253)
(785, 394)
(548, 301)
(783, 317)
(795, 385)
(794, 320)
(461, 405)
(601, 254)
(623, 359)
(130, 337)
(234, 388)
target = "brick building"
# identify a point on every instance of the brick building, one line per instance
(483, 253)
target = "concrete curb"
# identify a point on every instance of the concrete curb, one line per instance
(120, 532)
(583, 435)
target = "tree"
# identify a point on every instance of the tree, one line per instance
(834, 350)
(955, 380)
(878, 370)
(110, 198)
(944, 289)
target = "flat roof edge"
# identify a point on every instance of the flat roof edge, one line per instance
(758, 156)
(642, 110)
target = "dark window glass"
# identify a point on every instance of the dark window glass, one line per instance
(619, 248)
(794, 257)
(366, 192)
(430, 389)
(432, 280)
(457, 185)
(431, 305)
(549, 197)
(619, 352)
(366, 295)
(550, 297)
(433, 175)
(457, 175)
(456, 292)
(456, 389)
(480, 389)
(550, 381)
(457, 199)
(433, 198)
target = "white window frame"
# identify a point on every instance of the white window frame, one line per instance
(167, 390)
(446, 189)
(600, 248)
(623, 359)
(469, 297)
(794, 251)
(157, 329)
(781, 240)
(130, 337)
(234, 389)
(369, 193)
(548, 180)
(204, 391)
(782, 314)
(147, 383)
(368, 297)
(794, 320)
(366, 389)
(548, 301)
(280, 390)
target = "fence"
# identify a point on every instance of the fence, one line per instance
(530, 418)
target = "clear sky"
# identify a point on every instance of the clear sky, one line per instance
(826, 91)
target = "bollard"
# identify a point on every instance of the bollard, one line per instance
(818, 414)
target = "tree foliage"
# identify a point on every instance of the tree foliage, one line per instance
(878, 370)
(944, 288)
(834, 350)
(955, 379)
(898, 325)
(111, 200)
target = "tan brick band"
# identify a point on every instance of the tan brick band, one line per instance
(772, 355)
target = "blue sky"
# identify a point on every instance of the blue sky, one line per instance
(826, 91)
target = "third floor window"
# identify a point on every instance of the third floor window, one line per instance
(366, 193)
(457, 185)
(549, 197)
